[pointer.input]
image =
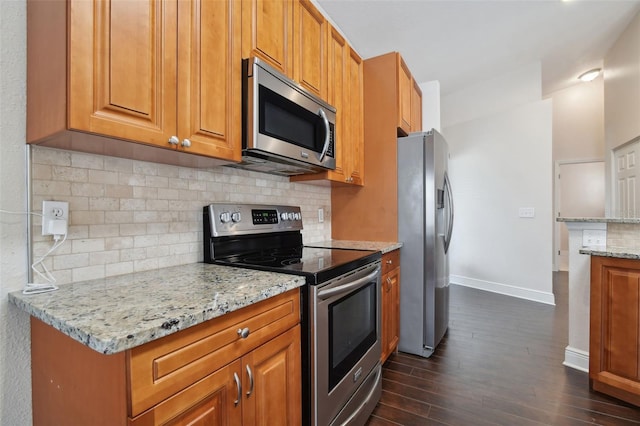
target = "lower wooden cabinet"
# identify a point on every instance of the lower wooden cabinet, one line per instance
(390, 290)
(614, 343)
(241, 368)
(260, 388)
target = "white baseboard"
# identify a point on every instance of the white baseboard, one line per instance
(506, 289)
(576, 358)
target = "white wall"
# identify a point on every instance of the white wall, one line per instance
(124, 215)
(501, 161)
(15, 378)
(578, 122)
(515, 87)
(431, 105)
(578, 141)
(621, 96)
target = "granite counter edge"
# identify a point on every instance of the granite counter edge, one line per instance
(210, 310)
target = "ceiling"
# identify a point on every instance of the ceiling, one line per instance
(460, 43)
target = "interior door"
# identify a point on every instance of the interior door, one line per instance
(625, 170)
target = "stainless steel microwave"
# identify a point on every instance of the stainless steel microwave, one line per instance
(286, 130)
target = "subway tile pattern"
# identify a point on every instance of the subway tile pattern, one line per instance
(129, 216)
(623, 235)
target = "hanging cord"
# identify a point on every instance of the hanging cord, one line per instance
(42, 272)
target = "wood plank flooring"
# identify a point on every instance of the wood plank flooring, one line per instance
(500, 363)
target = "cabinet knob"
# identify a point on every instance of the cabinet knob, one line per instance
(389, 262)
(186, 143)
(244, 332)
(173, 140)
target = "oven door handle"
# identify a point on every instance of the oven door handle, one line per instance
(345, 288)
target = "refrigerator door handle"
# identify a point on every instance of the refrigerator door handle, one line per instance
(449, 202)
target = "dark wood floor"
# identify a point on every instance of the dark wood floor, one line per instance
(500, 363)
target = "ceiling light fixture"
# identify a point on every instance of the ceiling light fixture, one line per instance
(589, 75)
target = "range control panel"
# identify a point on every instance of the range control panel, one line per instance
(237, 219)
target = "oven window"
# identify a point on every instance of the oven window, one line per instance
(352, 330)
(282, 119)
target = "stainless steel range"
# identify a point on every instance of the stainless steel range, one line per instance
(341, 304)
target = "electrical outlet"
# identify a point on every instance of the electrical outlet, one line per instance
(320, 215)
(594, 237)
(53, 211)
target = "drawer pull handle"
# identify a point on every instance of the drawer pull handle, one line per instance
(244, 332)
(250, 381)
(238, 388)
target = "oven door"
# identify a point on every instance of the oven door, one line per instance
(346, 344)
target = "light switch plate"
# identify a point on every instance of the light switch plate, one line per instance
(527, 212)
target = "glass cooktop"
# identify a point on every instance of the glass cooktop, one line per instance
(313, 262)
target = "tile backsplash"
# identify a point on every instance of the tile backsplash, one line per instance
(127, 216)
(623, 235)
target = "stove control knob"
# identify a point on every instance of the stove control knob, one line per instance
(283, 216)
(235, 216)
(298, 216)
(291, 215)
(225, 217)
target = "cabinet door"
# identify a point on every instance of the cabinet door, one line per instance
(214, 400)
(355, 118)
(122, 69)
(416, 107)
(404, 97)
(209, 78)
(390, 312)
(272, 382)
(268, 32)
(614, 344)
(337, 84)
(310, 47)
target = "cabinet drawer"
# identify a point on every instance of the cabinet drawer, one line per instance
(163, 367)
(390, 261)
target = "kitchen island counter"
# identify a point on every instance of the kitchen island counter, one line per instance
(381, 246)
(619, 253)
(118, 313)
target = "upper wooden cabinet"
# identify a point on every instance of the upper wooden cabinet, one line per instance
(310, 31)
(291, 36)
(345, 93)
(370, 213)
(165, 74)
(354, 120)
(403, 78)
(416, 107)
(409, 100)
(267, 32)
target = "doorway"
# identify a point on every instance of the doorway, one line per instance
(580, 192)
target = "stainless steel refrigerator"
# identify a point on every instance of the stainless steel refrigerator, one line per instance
(425, 224)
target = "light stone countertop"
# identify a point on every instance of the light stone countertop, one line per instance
(117, 313)
(599, 219)
(384, 247)
(621, 253)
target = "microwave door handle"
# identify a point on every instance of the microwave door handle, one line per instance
(325, 120)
